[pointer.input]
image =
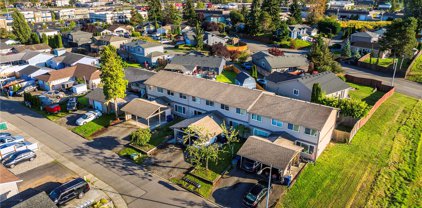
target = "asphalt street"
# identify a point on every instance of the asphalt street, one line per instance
(138, 187)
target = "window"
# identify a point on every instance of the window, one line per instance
(171, 93)
(196, 100)
(234, 124)
(182, 96)
(160, 90)
(259, 132)
(224, 107)
(307, 148)
(256, 117)
(209, 103)
(240, 111)
(296, 92)
(195, 112)
(293, 127)
(276, 122)
(180, 109)
(311, 132)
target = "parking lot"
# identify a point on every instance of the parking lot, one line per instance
(44, 174)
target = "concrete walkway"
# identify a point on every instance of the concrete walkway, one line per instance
(138, 187)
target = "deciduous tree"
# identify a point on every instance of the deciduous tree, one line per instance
(329, 26)
(322, 58)
(316, 11)
(295, 11)
(136, 18)
(112, 76)
(20, 27)
(220, 50)
(231, 135)
(141, 136)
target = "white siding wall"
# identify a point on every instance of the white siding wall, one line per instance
(87, 60)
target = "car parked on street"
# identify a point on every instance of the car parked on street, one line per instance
(15, 158)
(53, 108)
(10, 139)
(54, 94)
(73, 189)
(250, 165)
(87, 117)
(30, 88)
(72, 104)
(255, 194)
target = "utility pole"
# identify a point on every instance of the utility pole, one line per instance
(395, 68)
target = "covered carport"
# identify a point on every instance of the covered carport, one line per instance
(147, 112)
(280, 153)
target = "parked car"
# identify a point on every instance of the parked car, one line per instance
(69, 190)
(72, 104)
(53, 108)
(5, 134)
(45, 101)
(250, 165)
(54, 94)
(87, 117)
(10, 139)
(247, 65)
(255, 194)
(17, 157)
(30, 88)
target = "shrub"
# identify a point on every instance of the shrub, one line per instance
(348, 107)
(141, 136)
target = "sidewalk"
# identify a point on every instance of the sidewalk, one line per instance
(115, 197)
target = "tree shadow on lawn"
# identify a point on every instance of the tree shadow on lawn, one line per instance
(373, 98)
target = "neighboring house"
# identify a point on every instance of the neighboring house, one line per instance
(67, 77)
(300, 87)
(136, 78)
(212, 39)
(30, 72)
(6, 49)
(310, 125)
(47, 32)
(201, 66)
(30, 198)
(214, 15)
(190, 38)
(245, 80)
(26, 57)
(104, 16)
(340, 5)
(268, 63)
(100, 41)
(164, 30)
(97, 100)
(148, 27)
(41, 47)
(362, 15)
(70, 59)
(77, 39)
(119, 29)
(365, 42)
(8, 184)
(142, 52)
(302, 32)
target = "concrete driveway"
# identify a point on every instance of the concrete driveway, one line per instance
(69, 121)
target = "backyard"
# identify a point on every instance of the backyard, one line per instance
(385, 62)
(300, 44)
(365, 93)
(227, 76)
(379, 168)
(94, 126)
(415, 73)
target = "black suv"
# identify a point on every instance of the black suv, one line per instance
(69, 190)
(13, 159)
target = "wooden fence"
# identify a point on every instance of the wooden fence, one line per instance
(343, 136)
(387, 70)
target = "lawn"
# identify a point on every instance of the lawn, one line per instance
(128, 151)
(351, 175)
(300, 44)
(227, 76)
(415, 73)
(385, 62)
(90, 128)
(205, 190)
(131, 64)
(365, 93)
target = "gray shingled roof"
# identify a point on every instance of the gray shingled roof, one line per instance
(143, 44)
(278, 154)
(142, 108)
(71, 58)
(196, 60)
(277, 77)
(29, 70)
(366, 34)
(329, 82)
(40, 200)
(137, 74)
(286, 61)
(97, 94)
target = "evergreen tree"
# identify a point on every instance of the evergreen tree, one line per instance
(112, 76)
(272, 7)
(253, 24)
(199, 37)
(171, 15)
(52, 41)
(316, 95)
(282, 32)
(347, 51)
(189, 13)
(35, 39)
(154, 12)
(322, 58)
(59, 41)
(400, 37)
(413, 8)
(265, 20)
(244, 11)
(44, 39)
(295, 11)
(136, 18)
(20, 27)
(236, 17)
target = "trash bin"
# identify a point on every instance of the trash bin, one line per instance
(287, 180)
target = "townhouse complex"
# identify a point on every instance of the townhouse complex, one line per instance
(265, 114)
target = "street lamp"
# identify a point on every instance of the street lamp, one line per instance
(269, 182)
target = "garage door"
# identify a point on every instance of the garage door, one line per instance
(98, 106)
